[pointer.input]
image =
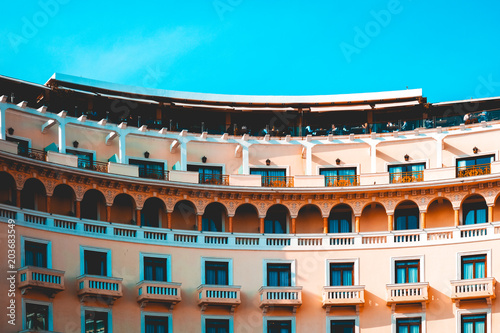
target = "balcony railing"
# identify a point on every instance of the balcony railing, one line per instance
(407, 177)
(402, 293)
(219, 295)
(35, 154)
(342, 180)
(153, 174)
(343, 296)
(92, 165)
(214, 179)
(49, 281)
(158, 292)
(474, 170)
(280, 296)
(473, 289)
(277, 181)
(100, 287)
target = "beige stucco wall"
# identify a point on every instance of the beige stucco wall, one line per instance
(92, 139)
(350, 154)
(219, 153)
(461, 145)
(158, 148)
(280, 155)
(419, 150)
(28, 126)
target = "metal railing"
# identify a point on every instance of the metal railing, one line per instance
(346, 180)
(92, 165)
(474, 170)
(35, 154)
(277, 181)
(153, 174)
(407, 177)
(214, 179)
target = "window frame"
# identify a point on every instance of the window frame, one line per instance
(473, 253)
(168, 264)
(109, 272)
(145, 314)
(355, 269)
(217, 317)
(48, 253)
(96, 309)
(461, 312)
(421, 271)
(229, 268)
(49, 312)
(84, 152)
(266, 319)
(329, 319)
(293, 268)
(421, 315)
(146, 160)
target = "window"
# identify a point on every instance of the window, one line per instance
(475, 212)
(342, 326)
(407, 271)
(95, 263)
(340, 222)
(96, 322)
(207, 174)
(216, 325)
(216, 272)
(406, 218)
(339, 176)
(156, 324)
(279, 274)
(35, 254)
(474, 267)
(37, 317)
(148, 169)
(408, 325)
(22, 145)
(474, 323)
(406, 173)
(474, 166)
(341, 274)
(279, 326)
(85, 159)
(271, 177)
(275, 221)
(155, 269)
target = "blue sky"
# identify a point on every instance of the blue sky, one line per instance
(449, 49)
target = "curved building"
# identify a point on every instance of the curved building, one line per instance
(129, 209)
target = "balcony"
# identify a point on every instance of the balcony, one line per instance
(342, 180)
(92, 165)
(153, 174)
(35, 154)
(104, 288)
(473, 289)
(406, 293)
(29, 330)
(214, 179)
(474, 170)
(218, 295)
(280, 296)
(277, 181)
(46, 280)
(406, 177)
(168, 293)
(343, 296)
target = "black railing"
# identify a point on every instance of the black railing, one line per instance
(214, 179)
(153, 174)
(35, 154)
(92, 165)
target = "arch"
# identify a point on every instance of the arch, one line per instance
(33, 195)
(246, 218)
(340, 219)
(474, 210)
(373, 218)
(153, 213)
(93, 205)
(276, 220)
(496, 209)
(214, 218)
(8, 190)
(184, 215)
(63, 200)
(123, 209)
(406, 215)
(309, 220)
(440, 213)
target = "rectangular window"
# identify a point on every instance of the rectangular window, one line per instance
(155, 269)
(271, 177)
(279, 275)
(35, 254)
(279, 326)
(474, 166)
(342, 326)
(475, 323)
(207, 174)
(148, 169)
(341, 274)
(85, 159)
(406, 173)
(339, 176)
(408, 325)
(22, 145)
(95, 263)
(407, 271)
(216, 272)
(37, 317)
(473, 267)
(340, 222)
(156, 324)
(96, 322)
(216, 326)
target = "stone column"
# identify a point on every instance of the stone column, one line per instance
(390, 222)
(325, 225)
(457, 217)
(230, 222)
(423, 221)
(356, 223)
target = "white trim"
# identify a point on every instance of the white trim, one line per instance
(168, 263)
(222, 165)
(48, 254)
(421, 263)
(229, 268)
(355, 261)
(420, 315)
(332, 318)
(473, 253)
(205, 317)
(84, 248)
(461, 312)
(265, 319)
(293, 268)
(156, 314)
(343, 166)
(49, 314)
(96, 309)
